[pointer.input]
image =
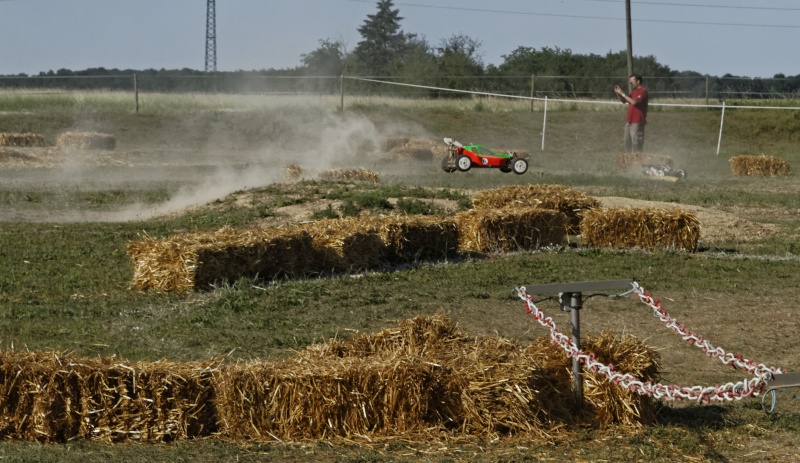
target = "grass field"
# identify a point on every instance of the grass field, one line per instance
(188, 163)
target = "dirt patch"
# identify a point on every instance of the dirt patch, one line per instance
(715, 225)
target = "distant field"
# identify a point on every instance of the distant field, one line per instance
(200, 162)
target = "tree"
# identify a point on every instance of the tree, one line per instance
(459, 60)
(327, 60)
(383, 42)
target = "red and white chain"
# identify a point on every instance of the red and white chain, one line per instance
(705, 394)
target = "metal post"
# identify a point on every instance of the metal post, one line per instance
(532, 92)
(341, 87)
(136, 91)
(721, 123)
(571, 298)
(576, 302)
(544, 123)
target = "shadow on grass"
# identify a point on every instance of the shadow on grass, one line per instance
(696, 417)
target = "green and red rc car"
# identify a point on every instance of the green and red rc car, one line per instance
(464, 157)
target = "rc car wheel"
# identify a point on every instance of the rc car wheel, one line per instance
(506, 168)
(520, 166)
(463, 163)
(447, 165)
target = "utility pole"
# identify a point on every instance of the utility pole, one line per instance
(211, 40)
(630, 36)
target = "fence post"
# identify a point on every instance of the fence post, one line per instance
(341, 97)
(706, 89)
(721, 123)
(544, 123)
(136, 91)
(532, 90)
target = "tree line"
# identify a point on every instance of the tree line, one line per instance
(386, 52)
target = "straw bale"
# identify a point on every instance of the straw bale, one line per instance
(197, 260)
(295, 172)
(351, 174)
(342, 397)
(344, 245)
(86, 140)
(628, 161)
(15, 157)
(510, 229)
(545, 196)
(608, 403)
(413, 238)
(55, 397)
(415, 149)
(645, 228)
(394, 142)
(759, 165)
(21, 139)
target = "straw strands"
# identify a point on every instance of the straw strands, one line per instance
(759, 165)
(628, 161)
(558, 197)
(86, 140)
(423, 379)
(644, 228)
(21, 139)
(510, 229)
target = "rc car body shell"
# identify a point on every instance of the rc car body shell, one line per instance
(465, 157)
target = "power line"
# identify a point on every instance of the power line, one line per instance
(702, 5)
(605, 18)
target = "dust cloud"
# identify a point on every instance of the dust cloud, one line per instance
(198, 177)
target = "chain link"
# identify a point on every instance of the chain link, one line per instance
(704, 394)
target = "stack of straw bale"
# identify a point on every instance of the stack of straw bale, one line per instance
(54, 397)
(759, 165)
(351, 174)
(510, 229)
(644, 228)
(21, 139)
(628, 161)
(198, 260)
(423, 379)
(86, 140)
(426, 378)
(558, 197)
(414, 238)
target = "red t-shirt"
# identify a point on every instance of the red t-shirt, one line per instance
(637, 113)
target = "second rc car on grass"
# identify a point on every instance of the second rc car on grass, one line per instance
(464, 157)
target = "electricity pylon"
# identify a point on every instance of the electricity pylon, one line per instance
(211, 37)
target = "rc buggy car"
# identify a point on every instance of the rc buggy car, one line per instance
(663, 172)
(464, 157)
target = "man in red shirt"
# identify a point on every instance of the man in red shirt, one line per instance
(637, 113)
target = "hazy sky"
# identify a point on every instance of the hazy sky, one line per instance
(740, 37)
